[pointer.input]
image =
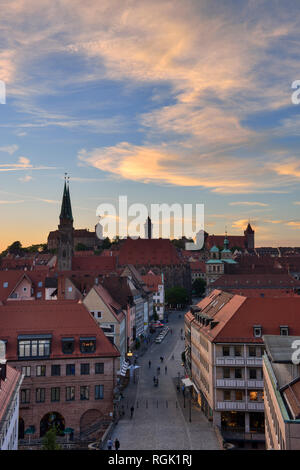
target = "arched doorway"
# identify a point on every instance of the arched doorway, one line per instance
(21, 428)
(50, 420)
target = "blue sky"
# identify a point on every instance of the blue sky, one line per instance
(162, 101)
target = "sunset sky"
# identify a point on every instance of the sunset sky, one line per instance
(163, 101)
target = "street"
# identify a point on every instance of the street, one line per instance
(160, 420)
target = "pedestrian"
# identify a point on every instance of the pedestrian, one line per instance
(149, 364)
(178, 388)
(154, 379)
(173, 356)
(161, 359)
(181, 331)
(131, 411)
(166, 370)
(117, 444)
(109, 444)
(158, 370)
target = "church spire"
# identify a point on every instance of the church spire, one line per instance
(66, 209)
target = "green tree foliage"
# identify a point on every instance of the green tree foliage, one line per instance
(49, 440)
(177, 295)
(81, 247)
(199, 286)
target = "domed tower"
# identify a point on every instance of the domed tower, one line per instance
(65, 249)
(226, 252)
(249, 237)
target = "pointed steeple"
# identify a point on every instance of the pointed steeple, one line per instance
(66, 209)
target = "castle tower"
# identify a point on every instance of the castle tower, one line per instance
(249, 237)
(226, 252)
(148, 228)
(65, 232)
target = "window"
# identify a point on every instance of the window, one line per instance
(70, 369)
(25, 396)
(70, 289)
(68, 345)
(84, 369)
(40, 284)
(5, 284)
(227, 395)
(253, 395)
(99, 368)
(237, 351)
(96, 314)
(257, 331)
(40, 395)
(226, 373)
(32, 348)
(84, 392)
(284, 330)
(239, 395)
(87, 345)
(26, 371)
(55, 369)
(38, 295)
(55, 394)
(40, 371)
(24, 289)
(238, 373)
(99, 392)
(70, 393)
(252, 374)
(252, 351)
(226, 351)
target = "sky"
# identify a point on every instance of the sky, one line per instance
(162, 101)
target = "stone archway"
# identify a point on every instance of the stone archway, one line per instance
(52, 419)
(89, 418)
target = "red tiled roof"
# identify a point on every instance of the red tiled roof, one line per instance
(65, 318)
(152, 252)
(94, 263)
(292, 397)
(237, 315)
(152, 281)
(218, 240)
(257, 281)
(198, 266)
(111, 303)
(77, 233)
(7, 388)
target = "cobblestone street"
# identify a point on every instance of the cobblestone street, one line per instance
(160, 420)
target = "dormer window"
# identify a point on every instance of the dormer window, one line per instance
(257, 330)
(284, 330)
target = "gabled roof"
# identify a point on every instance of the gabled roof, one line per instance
(65, 318)
(236, 315)
(114, 307)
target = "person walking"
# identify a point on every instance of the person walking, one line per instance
(166, 370)
(149, 364)
(117, 444)
(158, 370)
(109, 444)
(161, 359)
(154, 379)
(131, 412)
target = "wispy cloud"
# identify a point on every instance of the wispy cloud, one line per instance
(248, 203)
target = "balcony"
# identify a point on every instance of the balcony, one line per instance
(240, 405)
(239, 383)
(239, 361)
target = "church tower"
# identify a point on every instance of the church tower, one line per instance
(65, 232)
(148, 228)
(249, 237)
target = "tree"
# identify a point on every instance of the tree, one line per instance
(49, 440)
(177, 296)
(199, 286)
(106, 243)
